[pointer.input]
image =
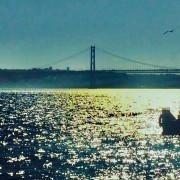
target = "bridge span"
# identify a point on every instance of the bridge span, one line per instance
(144, 71)
(104, 61)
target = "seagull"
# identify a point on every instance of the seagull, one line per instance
(168, 31)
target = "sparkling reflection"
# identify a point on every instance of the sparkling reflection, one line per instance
(87, 134)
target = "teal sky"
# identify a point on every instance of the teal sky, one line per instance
(37, 32)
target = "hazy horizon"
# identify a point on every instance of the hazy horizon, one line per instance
(35, 33)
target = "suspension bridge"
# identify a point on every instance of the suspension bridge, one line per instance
(97, 60)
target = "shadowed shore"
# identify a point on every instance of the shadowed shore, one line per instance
(48, 78)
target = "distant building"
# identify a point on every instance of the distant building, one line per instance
(68, 68)
(50, 68)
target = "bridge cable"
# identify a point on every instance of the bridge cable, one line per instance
(130, 60)
(65, 58)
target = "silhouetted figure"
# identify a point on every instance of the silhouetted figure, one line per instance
(168, 31)
(169, 123)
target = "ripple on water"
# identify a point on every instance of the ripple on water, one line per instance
(86, 134)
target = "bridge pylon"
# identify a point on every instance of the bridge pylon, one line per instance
(92, 67)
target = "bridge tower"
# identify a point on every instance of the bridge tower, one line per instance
(92, 67)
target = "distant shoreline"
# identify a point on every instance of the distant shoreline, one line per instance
(48, 78)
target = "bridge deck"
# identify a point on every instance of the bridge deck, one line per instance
(148, 71)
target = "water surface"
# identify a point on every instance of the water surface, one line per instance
(87, 134)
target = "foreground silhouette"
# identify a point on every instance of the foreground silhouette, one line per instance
(170, 125)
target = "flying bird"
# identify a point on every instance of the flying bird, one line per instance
(168, 31)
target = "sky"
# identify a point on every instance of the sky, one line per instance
(38, 32)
